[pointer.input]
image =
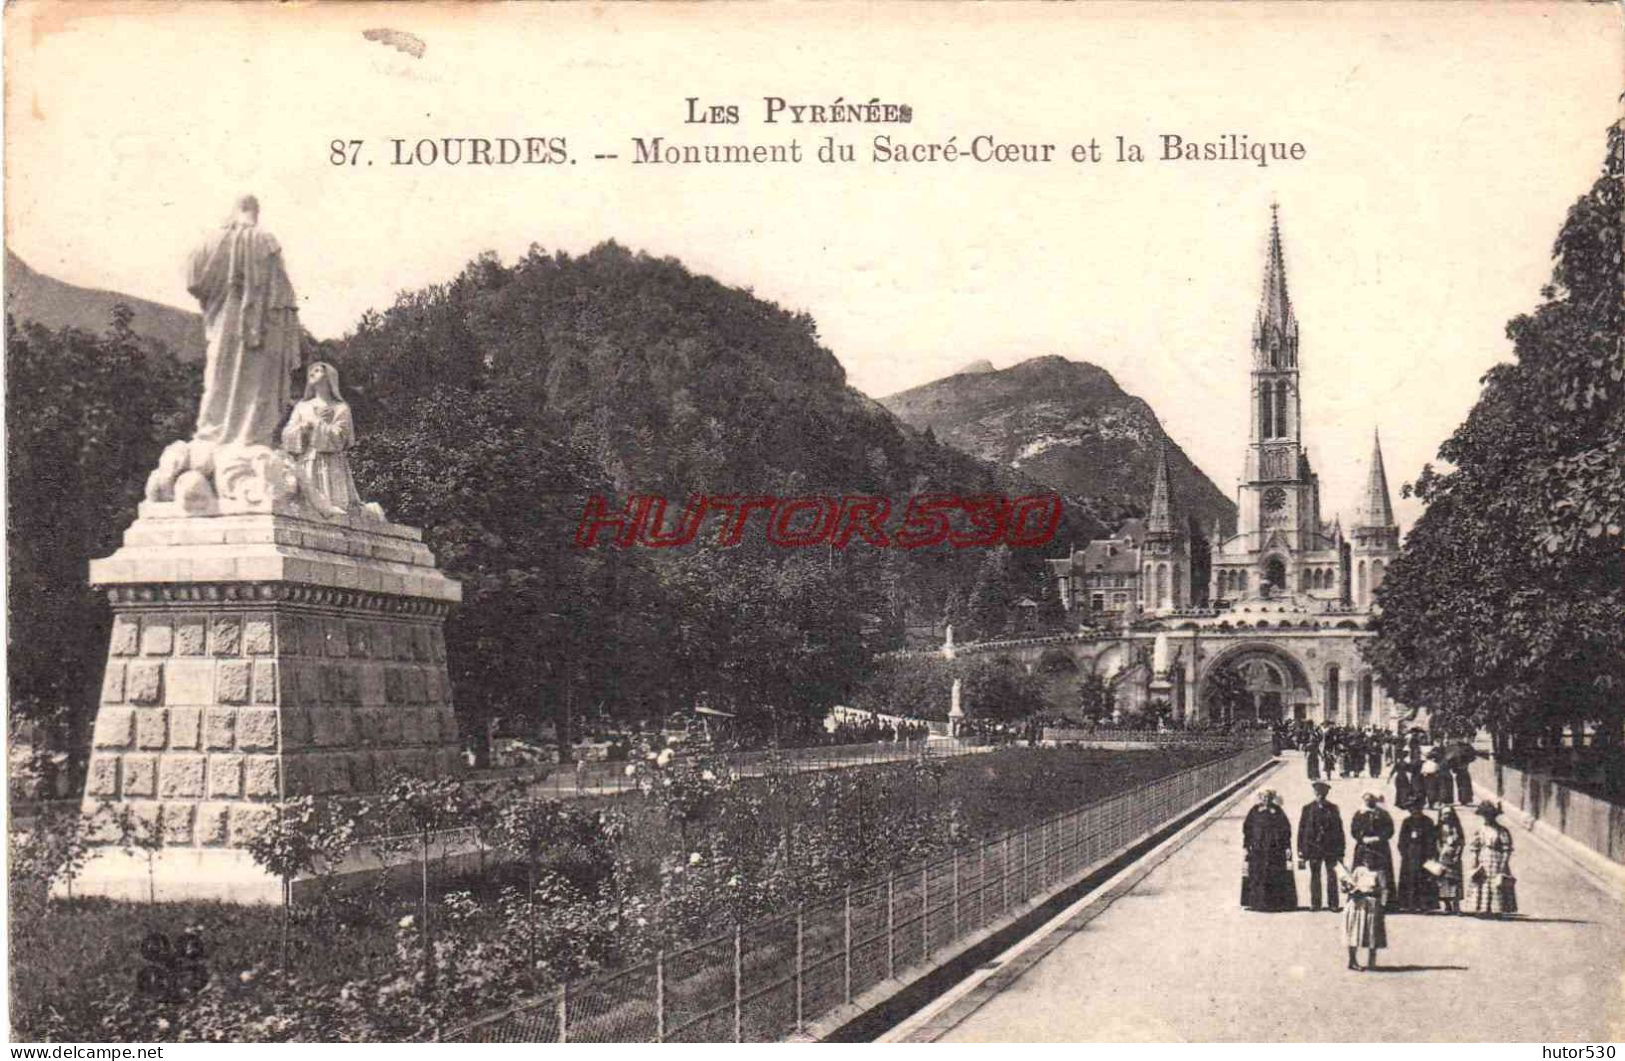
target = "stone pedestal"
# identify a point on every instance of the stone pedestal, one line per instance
(257, 656)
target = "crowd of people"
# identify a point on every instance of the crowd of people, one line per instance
(869, 731)
(1353, 871)
(1435, 772)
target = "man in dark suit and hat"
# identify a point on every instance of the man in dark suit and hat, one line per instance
(1320, 844)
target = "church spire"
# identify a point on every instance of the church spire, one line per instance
(1161, 518)
(1376, 511)
(1275, 331)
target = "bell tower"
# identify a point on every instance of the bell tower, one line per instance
(1280, 494)
(1166, 553)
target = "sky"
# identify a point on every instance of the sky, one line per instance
(1442, 145)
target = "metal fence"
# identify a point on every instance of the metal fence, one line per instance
(768, 980)
(1162, 738)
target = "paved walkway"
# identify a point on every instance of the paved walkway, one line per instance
(1175, 958)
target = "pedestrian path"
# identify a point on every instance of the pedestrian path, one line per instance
(1175, 958)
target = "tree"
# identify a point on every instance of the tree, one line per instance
(1095, 697)
(992, 595)
(1506, 607)
(86, 417)
(304, 836)
(1225, 696)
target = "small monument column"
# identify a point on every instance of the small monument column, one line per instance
(1161, 685)
(273, 635)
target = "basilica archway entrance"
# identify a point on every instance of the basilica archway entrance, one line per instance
(1254, 682)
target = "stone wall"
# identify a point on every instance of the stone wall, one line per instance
(1593, 823)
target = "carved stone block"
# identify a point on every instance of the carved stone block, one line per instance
(219, 728)
(261, 777)
(248, 820)
(190, 682)
(225, 776)
(295, 728)
(157, 636)
(257, 729)
(190, 635)
(225, 635)
(258, 638)
(113, 683)
(152, 728)
(181, 776)
(115, 728)
(177, 819)
(144, 682)
(265, 681)
(126, 636)
(102, 779)
(185, 725)
(211, 823)
(232, 681)
(140, 776)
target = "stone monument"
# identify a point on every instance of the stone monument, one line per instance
(273, 635)
(956, 711)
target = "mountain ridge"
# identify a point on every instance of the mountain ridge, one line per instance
(1068, 424)
(35, 296)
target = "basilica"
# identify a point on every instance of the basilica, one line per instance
(1282, 600)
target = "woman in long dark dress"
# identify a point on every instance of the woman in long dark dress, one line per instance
(1353, 754)
(1418, 843)
(1452, 843)
(1371, 829)
(1373, 755)
(1404, 787)
(1267, 836)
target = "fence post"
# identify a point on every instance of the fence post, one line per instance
(1004, 874)
(800, 965)
(739, 983)
(1026, 860)
(956, 894)
(1043, 854)
(660, 995)
(891, 929)
(981, 885)
(925, 911)
(846, 946)
(564, 1012)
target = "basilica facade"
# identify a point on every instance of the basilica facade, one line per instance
(1287, 596)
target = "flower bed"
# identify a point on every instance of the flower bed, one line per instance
(571, 889)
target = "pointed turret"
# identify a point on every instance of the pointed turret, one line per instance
(1160, 520)
(1275, 331)
(1375, 508)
